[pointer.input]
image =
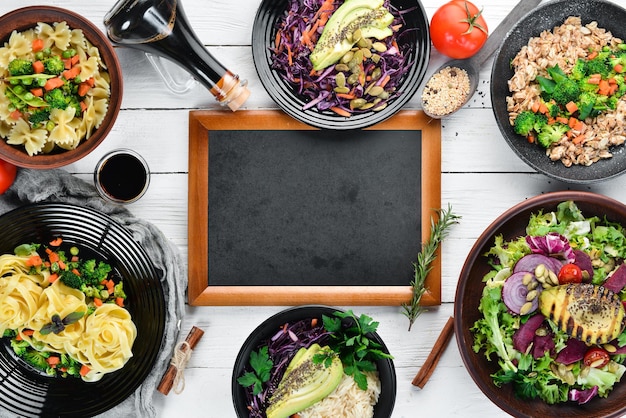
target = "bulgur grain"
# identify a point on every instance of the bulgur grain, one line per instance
(446, 91)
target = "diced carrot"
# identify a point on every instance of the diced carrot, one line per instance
(37, 92)
(594, 79)
(38, 67)
(592, 55)
(71, 73)
(52, 256)
(97, 301)
(571, 122)
(562, 119)
(579, 125)
(571, 107)
(61, 264)
(74, 60)
(53, 83)
(67, 63)
(314, 322)
(74, 258)
(56, 242)
(543, 108)
(15, 115)
(90, 81)
(53, 277)
(618, 68)
(535, 107)
(84, 370)
(53, 360)
(578, 139)
(340, 111)
(28, 332)
(83, 89)
(37, 45)
(530, 138)
(83, 106)
(119, 302)
(76, 272)
(603, 87)
(33, 261)
(46, 264)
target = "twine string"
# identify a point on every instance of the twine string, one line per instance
(182, 354)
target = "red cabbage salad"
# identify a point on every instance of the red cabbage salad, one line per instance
(347, 335)
(365, 79)
(540, 356)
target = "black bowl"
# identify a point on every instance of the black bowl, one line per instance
(287, 98)
(263, 332)
(512, 224)
(26, 392)
(609, 16)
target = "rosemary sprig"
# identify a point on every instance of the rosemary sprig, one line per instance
(423, 265)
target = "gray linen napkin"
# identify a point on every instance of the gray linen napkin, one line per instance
(59, 186)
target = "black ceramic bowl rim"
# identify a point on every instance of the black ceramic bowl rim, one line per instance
(471, 275)
(548, 15)
(284, 95)
(28, 393)
(267, 328)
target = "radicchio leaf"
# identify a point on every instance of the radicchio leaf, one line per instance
(553, 245)
(583, 396)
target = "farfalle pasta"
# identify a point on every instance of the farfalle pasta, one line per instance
(47, 73)
(64, 315)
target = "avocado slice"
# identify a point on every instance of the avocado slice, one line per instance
(587, 312)
(336, 39)
(304, 383)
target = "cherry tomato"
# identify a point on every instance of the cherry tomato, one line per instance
(458, 29)
(570, 273)
(596, 357)
(7, 175)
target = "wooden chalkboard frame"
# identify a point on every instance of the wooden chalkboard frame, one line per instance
(202, 293)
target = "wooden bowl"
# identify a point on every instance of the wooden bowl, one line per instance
(512, 224)
(27, 18)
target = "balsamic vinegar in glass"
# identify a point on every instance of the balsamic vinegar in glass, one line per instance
(161, 27)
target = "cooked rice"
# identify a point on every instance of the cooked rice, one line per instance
(347, 400)
(563, 46)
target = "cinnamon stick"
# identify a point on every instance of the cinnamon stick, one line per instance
(429, 365)
(167, 382)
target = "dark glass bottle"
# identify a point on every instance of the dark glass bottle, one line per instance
(161, 27)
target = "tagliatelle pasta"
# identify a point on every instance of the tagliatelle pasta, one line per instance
(33, 91)
(50, 311)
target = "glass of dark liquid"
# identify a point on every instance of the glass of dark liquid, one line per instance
(122, 176)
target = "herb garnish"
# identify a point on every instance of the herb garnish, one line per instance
(262, 366)
(58, 325)
(438, 231)
(349, 340)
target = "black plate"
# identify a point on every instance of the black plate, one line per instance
(264, 33)
(28, 393)
(386, 370)
(609, 16)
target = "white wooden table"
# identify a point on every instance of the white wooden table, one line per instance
(481, 177)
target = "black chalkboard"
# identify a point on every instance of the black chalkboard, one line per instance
(316, 208)
(281, 213)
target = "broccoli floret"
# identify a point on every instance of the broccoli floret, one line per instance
(618, 59)
(53, 65)
(579, 70)
(19, 347)
(20, 67)
(39, 116)
(118, 291)
(598, 65)
(553, 109)
(540, 122)
(72, 280)
(94, 272)
(586, 104)
(56, 99)
(37, 359)
(525, 122)
(73, 102)
(551, 134)
(565, 91)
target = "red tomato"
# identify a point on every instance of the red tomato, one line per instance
(596, 357)
(570, 273)
(7, 175)
(458, 29)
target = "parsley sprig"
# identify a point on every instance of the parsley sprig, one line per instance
(423, 266)
(262, 366)
(350, 339)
